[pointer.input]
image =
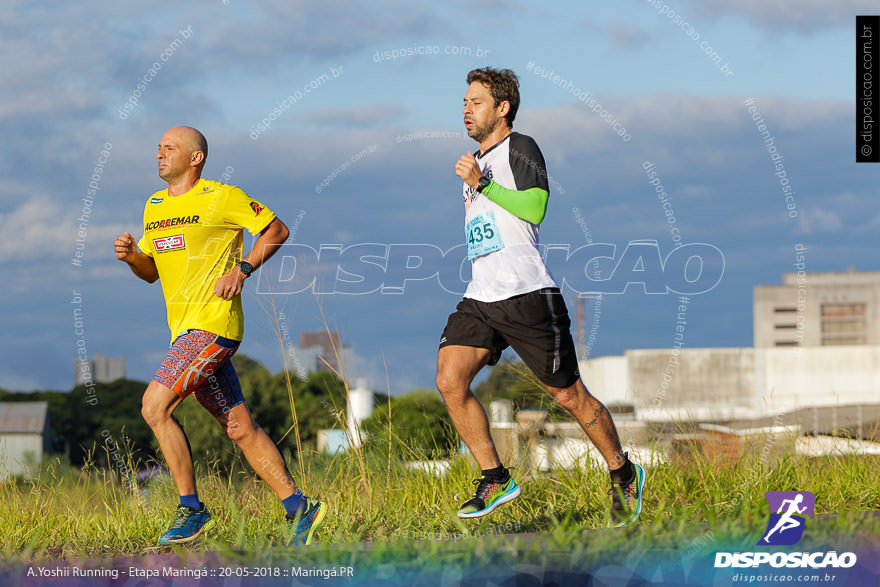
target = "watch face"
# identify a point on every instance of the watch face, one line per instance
(246, 267)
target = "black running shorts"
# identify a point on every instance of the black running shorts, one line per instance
(536, 325)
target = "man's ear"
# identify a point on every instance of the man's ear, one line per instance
(505, 108)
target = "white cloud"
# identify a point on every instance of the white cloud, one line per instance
(43, 230)
(819, 220)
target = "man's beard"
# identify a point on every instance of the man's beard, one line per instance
(480, 133)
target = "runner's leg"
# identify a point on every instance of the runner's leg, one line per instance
(457, 366)
(594, 418)
(259, 450)
(222, 397)
(157, 406)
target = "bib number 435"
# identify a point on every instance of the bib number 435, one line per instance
(478, 233)
(482, 236)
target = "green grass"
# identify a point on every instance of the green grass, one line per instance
(67, 513)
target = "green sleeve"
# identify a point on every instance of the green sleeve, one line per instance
(530, 204)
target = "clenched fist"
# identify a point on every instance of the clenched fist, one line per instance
(125, 247)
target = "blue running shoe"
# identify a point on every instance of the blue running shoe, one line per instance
(488, 496)
(626, 499)
(307, 524)
(188, 524)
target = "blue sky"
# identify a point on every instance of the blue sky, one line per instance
(69, 68)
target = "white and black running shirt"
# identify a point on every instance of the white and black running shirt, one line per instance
(503, 247)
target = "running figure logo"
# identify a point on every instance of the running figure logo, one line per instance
(786, 526)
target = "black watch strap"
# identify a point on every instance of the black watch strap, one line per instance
(484, 182)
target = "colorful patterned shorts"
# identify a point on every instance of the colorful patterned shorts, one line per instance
(199, 363)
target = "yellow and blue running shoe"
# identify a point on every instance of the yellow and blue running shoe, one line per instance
(306, 524)
(188, 524)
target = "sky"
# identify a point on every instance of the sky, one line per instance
(723, 129)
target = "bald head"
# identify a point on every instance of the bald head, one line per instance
(190, 139)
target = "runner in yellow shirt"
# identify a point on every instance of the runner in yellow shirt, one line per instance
(192, 242)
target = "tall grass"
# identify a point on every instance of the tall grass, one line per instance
(68, 513)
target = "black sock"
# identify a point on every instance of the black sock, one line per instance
(624, 474)
(497, 475)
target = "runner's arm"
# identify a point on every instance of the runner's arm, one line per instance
(530, 204)
(270, 240)
(140, 264)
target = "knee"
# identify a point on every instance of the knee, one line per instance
(152, 412)
(240, 433)
(450, 387)
(442, 381)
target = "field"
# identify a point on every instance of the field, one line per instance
(378, 509)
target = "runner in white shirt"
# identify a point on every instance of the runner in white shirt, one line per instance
(512, 300)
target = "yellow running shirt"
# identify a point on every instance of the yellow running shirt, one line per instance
(195, 239)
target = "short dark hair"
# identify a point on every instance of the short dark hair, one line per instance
(503, 85)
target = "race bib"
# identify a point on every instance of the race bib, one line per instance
(482, 235)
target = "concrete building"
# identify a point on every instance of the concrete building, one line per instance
(822, 389)
(725, 404)
(25, 435)
(302, 361)
(98, 369)
(818, 309)
(815, 364)
(327, 350)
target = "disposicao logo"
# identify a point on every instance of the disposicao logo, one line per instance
(785, 527)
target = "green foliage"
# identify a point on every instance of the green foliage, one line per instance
(420, 426)
(320, 404)
(118, 410)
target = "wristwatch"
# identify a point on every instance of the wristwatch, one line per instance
(484, 182)
(246, 268)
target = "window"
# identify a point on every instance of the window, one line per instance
(843, 323)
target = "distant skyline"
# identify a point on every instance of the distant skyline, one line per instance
(663, 122)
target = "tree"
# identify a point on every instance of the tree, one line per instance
(116, 416)
(420, 427)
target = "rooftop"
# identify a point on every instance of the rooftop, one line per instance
(23, 417)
